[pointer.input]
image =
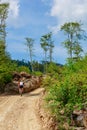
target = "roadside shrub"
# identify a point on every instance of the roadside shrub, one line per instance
(7, 78)
(48, 81)
(2, 84)
(64, 96)
(6, 70)
(23, 68)
(37, 73)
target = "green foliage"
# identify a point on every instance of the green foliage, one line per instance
(3, 16)
(23, 68)
(30, 43)
(72, 43)
(37, 73)
(2, 84)
(6, 69)
(54, 68)
(66, 95)
(76, 67)
(47, 46)
(68, 92)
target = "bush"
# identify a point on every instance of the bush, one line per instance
(67, 94)
(67, 91)
(23, 68)
(37, 73)
(6, 70)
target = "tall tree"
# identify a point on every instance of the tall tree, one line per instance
(74, 35)
(3, 16)
(47, 45)
(44, 45)
(50, 45)
(29, 43)
(6, 67)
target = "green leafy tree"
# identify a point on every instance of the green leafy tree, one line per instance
(50, 45)
(44, 46)
(77, 49)
(29, 43)
(6, 66)
(47, 45)
(3, 16)
(74, 35)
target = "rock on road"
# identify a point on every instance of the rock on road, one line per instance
(19, 112)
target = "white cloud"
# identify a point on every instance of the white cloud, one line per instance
(13, 7)
(13, 14)
(66, 11)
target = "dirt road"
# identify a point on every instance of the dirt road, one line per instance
(19, 112)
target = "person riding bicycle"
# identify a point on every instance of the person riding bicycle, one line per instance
(20, 86)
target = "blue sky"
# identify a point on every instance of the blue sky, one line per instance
(34, 18)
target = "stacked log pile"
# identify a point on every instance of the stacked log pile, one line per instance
(79, 119)
(30, 82)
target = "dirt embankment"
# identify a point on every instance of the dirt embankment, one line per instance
(20, 112)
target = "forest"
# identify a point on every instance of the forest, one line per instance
(66, 85)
